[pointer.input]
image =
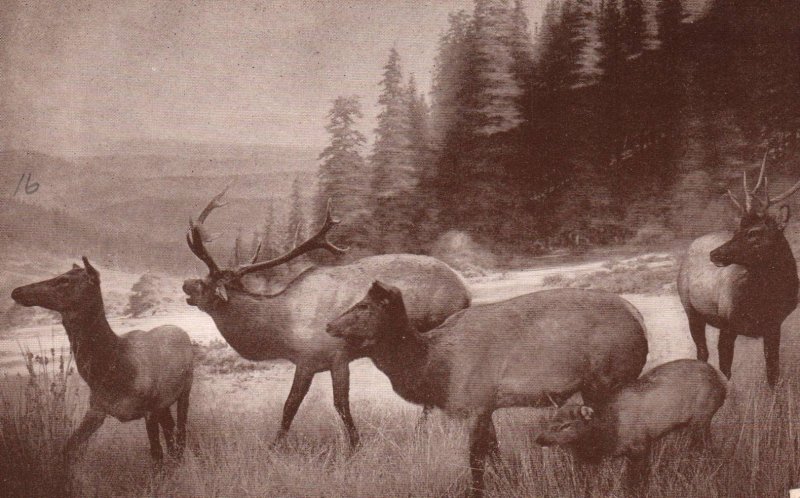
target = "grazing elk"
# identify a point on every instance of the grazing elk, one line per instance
(290, 324)
(520, 352)
(674, 395)
(743, 283)
(135, 375)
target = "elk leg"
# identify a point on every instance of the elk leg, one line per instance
(701, 436)
(168, 428)
(151, 423)
(340, 377)
(91, 422)
(300, 384)
(480, 445)
(697, 327)
(637, 472)
(727, 340)
(422, 421)
(772, 346)
(183, 415)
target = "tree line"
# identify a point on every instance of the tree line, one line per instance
(605, 117)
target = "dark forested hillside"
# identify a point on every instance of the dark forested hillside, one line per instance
(609, 120)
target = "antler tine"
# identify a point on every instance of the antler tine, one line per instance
(767, 201)
(213, 204)
(195, 237)
(318, 241)
(761, 173)
(735, 200)
(256, 253)
(786, 194)
(748, 197)
(195, 240)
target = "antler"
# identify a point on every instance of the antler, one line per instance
(762, 180)
(196, 236)
(318, 241)
(784, 195)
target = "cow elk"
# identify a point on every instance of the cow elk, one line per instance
(290, 324)
(674, 395)
(743, 283)
(522, 352)
(135, 375)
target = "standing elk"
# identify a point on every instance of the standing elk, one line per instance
(290, 324)
(523, 352)
(675, 395)
(743, 283)
(135, 375)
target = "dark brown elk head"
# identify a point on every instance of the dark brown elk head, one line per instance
(74, 290)
(381, 315)
(759, 240)
(566, 425)
(211, 292)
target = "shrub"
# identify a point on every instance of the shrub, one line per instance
(145, 296)
(35, 422)
(218, 357)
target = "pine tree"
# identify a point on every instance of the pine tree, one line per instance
(496, 107)
(451, 78)
(633, 28)
(611, 65)
(669, 17)
(343, 175)
(522, 52)
(418, 130)
(392, 171)
(297, 228)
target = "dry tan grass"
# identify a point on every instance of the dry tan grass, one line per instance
(756, 438)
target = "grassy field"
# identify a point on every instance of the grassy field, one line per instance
(755, 453)
(236, 405)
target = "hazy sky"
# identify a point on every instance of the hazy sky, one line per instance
(77, 73)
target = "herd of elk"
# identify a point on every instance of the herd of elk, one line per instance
(522, 352)
(290, 324)
(139, 374)
(416, 324)
(743, 283)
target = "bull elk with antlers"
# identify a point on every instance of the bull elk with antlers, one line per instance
(743, 283)
(290, 324)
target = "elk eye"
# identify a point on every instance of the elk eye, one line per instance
(564, 426)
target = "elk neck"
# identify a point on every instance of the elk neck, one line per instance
(777, 276)
(257, 327)
(94, 344)
(600, 438)
(407, 358)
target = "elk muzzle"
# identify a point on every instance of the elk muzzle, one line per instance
(20, 296)
(192, 288)
(721, 256)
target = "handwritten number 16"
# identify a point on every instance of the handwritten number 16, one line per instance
(30, 187)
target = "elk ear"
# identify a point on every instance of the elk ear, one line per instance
(90, 269)
(783, 217)
(221, 292)
(75, 266)
(381, 290)
(587, 413)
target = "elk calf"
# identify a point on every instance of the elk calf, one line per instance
(520, 352)
(681, 393)
(139, 374)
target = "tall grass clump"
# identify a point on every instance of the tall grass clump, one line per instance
(35, 423)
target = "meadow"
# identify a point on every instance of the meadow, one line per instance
(236, 407)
